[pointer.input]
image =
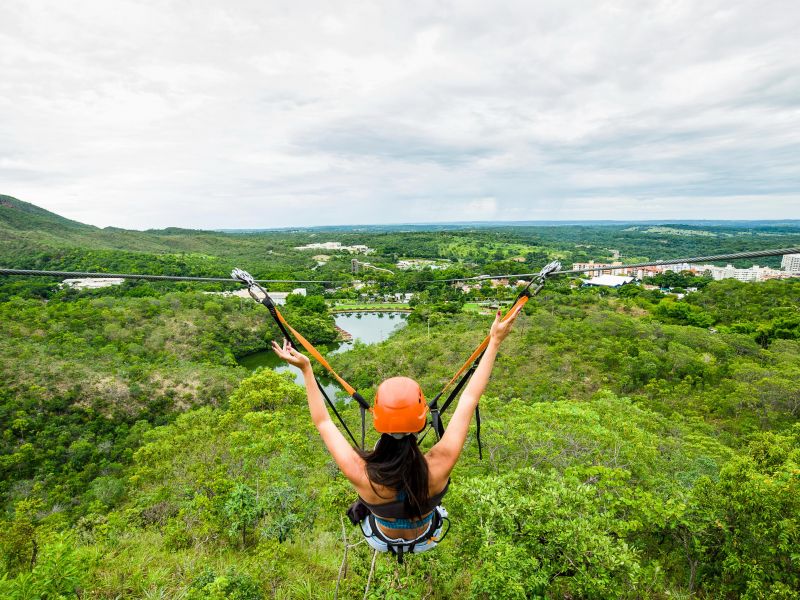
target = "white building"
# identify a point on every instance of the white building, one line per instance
(754, 273)
(609, 281)
(791, 263)
(337, 246)
(91, 283)
(278, 297)
(679, 267)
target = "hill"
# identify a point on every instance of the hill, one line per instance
(28, 224)
(23, 216)
(25, 224)
(34, 238)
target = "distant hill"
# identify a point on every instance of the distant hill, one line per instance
(471, 225)
(24, 216)
(34, 238)
(25, 225)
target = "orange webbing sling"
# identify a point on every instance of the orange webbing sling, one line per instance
(320, 359)
(288, 331)
(468, 368)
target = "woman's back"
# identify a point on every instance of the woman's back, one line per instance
(389, 506)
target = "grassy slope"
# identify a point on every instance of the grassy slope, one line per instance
(22, 223)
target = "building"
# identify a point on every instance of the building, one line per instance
(754, 273)
(278, 297)
(680, 268)
(597, 268)
(791, 263)
(642, 272)
(337, 247)
(91, 283)
(790, 266)
(466, 287)
(608, 281)
(618, 269)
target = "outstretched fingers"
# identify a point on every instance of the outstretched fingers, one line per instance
(502, 325)
(282, 352)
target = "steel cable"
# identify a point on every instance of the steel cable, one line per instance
(77, 274)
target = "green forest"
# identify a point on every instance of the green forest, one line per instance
(636, 444)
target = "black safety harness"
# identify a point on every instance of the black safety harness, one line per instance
(399, 548)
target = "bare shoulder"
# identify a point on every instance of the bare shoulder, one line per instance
(439, 468)
(355, 469)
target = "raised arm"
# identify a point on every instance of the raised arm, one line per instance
(444, 455)
(351, 464)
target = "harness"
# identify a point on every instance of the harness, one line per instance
(398, 547)
(253, 289)
(360, 510)
(468, 368)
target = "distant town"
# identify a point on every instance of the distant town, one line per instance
(790, 267)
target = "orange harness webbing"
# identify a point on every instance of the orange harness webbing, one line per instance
(468, 368)
(317, 355)
(287, 331)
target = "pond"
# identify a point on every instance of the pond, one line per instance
(367, 327)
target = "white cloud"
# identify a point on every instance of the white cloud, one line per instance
(203, 115)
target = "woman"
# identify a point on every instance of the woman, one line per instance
(399, 487)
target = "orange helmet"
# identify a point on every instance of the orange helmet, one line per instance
(400, 406)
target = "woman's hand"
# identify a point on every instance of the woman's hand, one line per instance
(501, 328)
(290, 355)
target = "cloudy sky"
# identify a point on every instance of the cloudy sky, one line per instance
(247, 113)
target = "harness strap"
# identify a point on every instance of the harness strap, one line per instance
(288, 332)
(399, 548)
(478, 352)
(471, 364)
(478, 431)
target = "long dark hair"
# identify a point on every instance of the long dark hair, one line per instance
(399, 464)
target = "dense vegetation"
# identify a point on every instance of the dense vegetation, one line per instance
(635, 445)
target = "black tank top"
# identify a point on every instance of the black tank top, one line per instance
(396, 509)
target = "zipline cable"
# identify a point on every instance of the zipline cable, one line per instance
(77, 274)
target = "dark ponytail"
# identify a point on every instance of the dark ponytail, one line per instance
(399, 464)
